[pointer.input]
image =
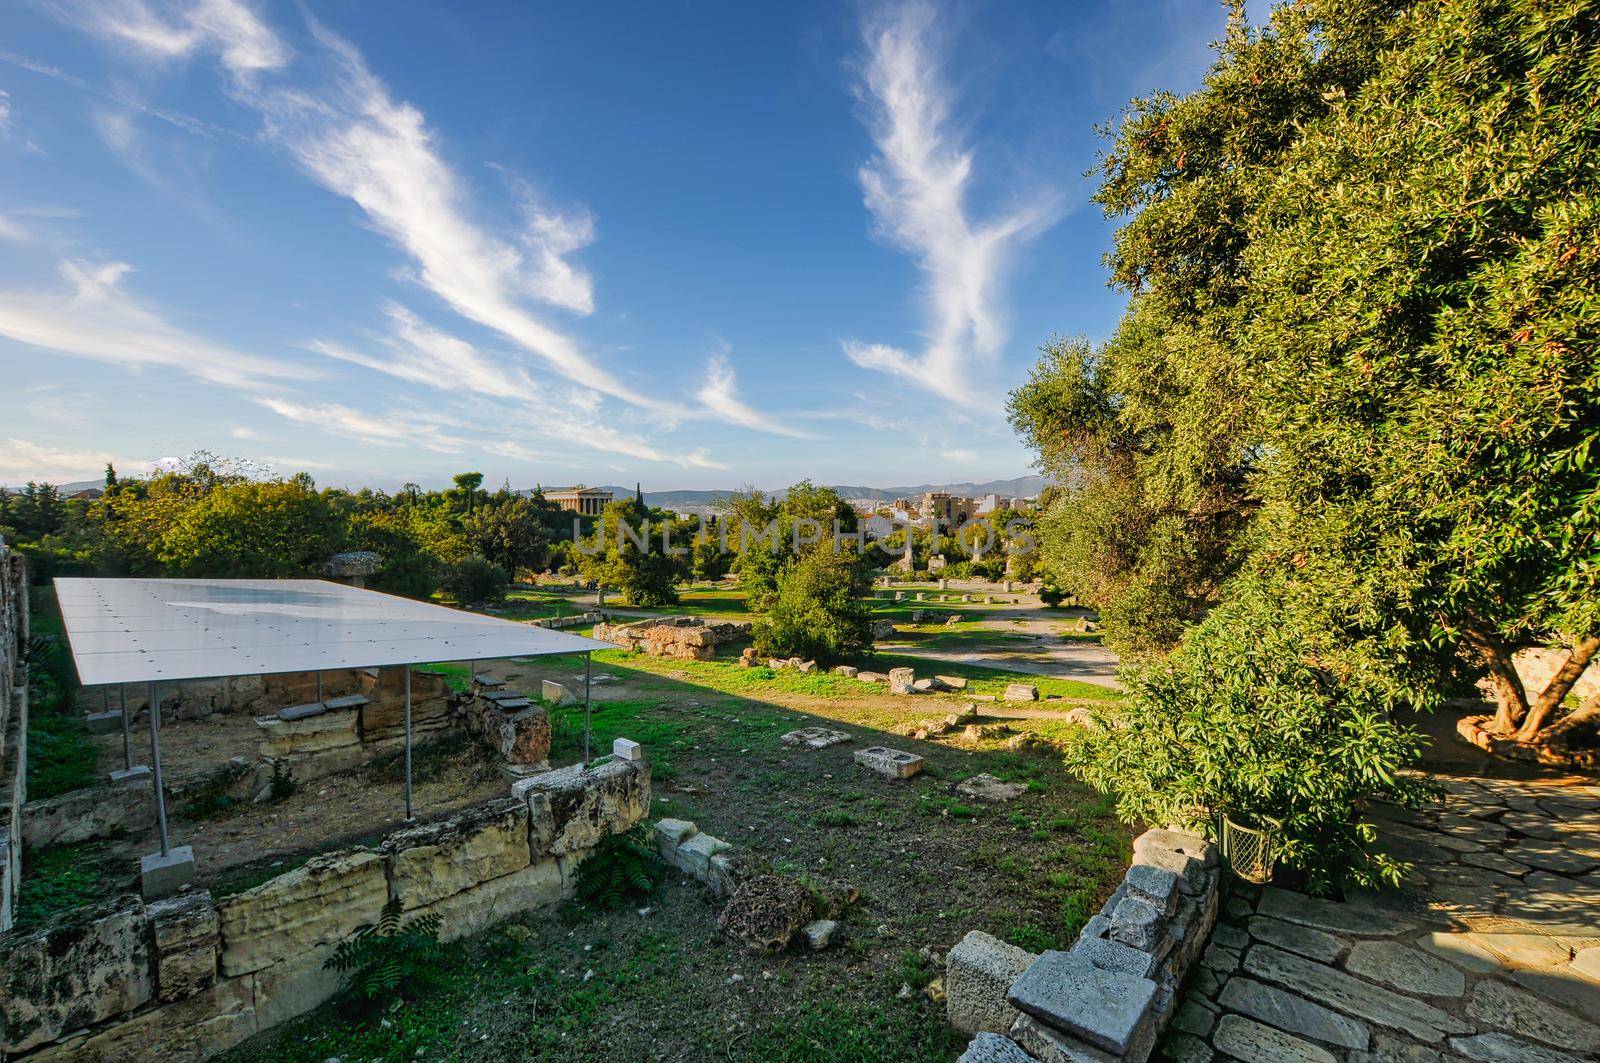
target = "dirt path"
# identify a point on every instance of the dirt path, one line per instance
(1046, 654)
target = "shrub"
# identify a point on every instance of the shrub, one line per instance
(1052, 595)
(621, 866)
(474, 580)
(393, 958)
(1255, 717)
(818, 612)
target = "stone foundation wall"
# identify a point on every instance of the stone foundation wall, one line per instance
(13, 724)
(189, 976)
(686, 637)
(1113, 993)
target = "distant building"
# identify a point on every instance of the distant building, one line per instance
(948, 508)
(989, 503)
(88, 492)
(588, 501)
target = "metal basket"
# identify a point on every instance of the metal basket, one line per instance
(1250, 852)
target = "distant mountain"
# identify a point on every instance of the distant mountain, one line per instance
(1021, 487)
(72, 488)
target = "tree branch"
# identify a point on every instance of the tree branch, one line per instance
(1560, 683)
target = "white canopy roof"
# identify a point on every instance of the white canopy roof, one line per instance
(159, 630)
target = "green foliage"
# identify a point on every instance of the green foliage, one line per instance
(64, 878)
(820, 610)
(393, 958)
(250, 530)
(625, 552)
(622, 866)
(475, 580)
(282, 785)
(1257, 716)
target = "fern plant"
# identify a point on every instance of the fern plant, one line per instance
(621, 866)
(392, 958)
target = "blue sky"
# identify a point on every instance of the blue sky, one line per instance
(692, 244)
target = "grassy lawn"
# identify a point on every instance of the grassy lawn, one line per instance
(65, 878)
(658, 981)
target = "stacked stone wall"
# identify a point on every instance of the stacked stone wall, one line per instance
(1112, 994)
(189, 976)
(13, 724)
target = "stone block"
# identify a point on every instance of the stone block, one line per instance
(992, 1048)
(1156, 885)
(819, 933)
(385, 717)
(1110, 1010)
(473, 910)
(1109, 955)
(521, 737)
(184, 932)
(978, 972)
(627, 749)
(806, 667)
(671, 833)
(1021, 692)
(1293, 1014)
(814, 738)
(104, 723)
(871, 677)
(693, 855)
(1049, 1045)
(487, 681)
(849, 671)
(162, 874)
(890, 763)
(293, 986)
(301, 712)
(951, 682)
(1242, 1038)
(590, 803)
(73, 974)
(922, 686)
(93, 812)
(429, 863)
(137, 775)
(987, 788)
(321, 902)
(1137, 923)
(196, 1028)
(556, 694)
(311, 734)
(901, 680)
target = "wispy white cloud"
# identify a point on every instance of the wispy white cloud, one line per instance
(228, 29)
(359, 142)
(21, 461)
(5, 112)
(400, 427)
(959, 456)
(720, 395)
(416, 351)
(97, 318)
(10, 229)
(916, 188)
(244, 432)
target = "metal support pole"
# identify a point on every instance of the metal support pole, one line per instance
(588, 659)
(407, 667)
(155, 766)
(105, 699)
(127, 735)
(319, 686)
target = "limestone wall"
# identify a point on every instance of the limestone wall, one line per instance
(189, 976)
(1111, 995)
(13, 724)
(686, 637)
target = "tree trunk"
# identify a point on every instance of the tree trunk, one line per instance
(1584, 716)
(1510, 699)
(1560, 683)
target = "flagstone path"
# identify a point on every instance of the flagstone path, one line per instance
(1490, 953)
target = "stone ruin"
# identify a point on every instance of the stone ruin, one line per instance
(188, 976)
(312, 739)
(1113, 993)
(689, 638)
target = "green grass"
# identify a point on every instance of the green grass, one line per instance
(61, 757)
(64, 878)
